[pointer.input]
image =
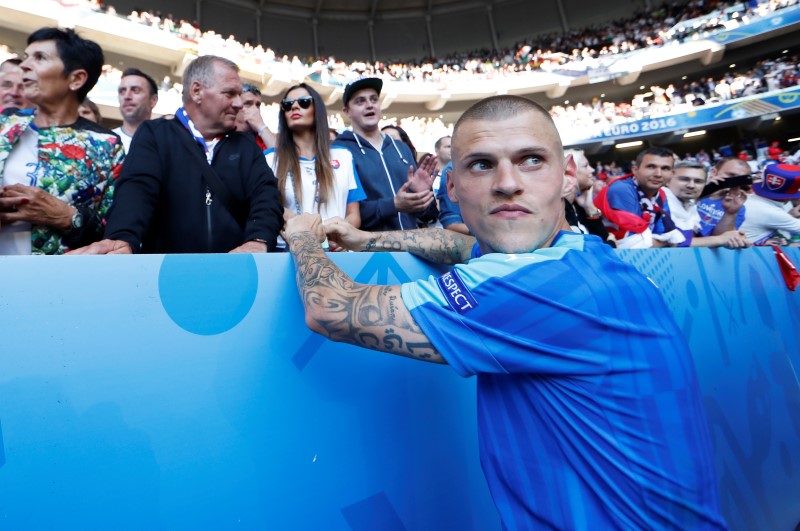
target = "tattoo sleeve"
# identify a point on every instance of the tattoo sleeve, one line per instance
(368, 316)
(437, 245)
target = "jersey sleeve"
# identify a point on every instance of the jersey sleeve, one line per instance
(512, 314)
(356, 191)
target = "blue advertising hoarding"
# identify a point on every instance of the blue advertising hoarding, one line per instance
(185, 392)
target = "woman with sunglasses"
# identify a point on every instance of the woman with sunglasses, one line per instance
(312, 176)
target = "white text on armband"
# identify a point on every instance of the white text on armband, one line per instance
(458, 296)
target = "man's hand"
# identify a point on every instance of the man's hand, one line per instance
(733, 202)
(250, 247)
(586, 201)
(407, 201)
(104, 247)
(733, 239)
(780, 241)
(28, 203)
(252, 115)
(344, 235)
(304, 223)
(422, 179)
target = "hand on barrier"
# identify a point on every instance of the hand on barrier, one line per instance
(733, 239)
(105, 247)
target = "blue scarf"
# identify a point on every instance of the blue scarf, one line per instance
(184, 119)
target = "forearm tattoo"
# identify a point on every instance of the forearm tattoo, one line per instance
(368, 316)
(437, 245)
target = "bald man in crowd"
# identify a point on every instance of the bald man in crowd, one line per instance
(584, 422)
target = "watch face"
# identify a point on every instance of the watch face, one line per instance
(77, 220)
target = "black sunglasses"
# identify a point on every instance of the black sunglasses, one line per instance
(304, 103)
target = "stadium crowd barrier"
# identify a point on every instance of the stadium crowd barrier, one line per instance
(185, 392)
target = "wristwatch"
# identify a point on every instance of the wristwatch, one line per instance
(77, 220)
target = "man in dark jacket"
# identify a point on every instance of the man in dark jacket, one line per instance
(399, 194)
(192, 184)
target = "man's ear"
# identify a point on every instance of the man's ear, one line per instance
(570, 180)
(451, 188)
(77, 79)
(196, 92)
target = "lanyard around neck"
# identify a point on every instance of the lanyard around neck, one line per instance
(297, 198)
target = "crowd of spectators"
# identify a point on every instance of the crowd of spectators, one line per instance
(757, 154)
(575, 51)
(767, 75)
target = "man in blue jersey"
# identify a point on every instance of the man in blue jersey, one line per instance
(589, 410)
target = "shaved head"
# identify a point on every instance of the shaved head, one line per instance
(498, 108)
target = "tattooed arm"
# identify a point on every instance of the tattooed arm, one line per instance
(437, 245)
(372, 317)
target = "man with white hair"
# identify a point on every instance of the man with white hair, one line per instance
(193, 184)
(11, 85)
(582, 214)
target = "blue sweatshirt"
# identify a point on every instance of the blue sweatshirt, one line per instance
(382, 173)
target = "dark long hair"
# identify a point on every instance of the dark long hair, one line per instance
(289, 159)
(404, 137)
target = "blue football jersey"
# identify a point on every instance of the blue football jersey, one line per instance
(589, 411)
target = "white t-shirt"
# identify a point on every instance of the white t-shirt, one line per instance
(126, 139)
(347, 186)
(15, 239)
(763, 217)
(684, 218)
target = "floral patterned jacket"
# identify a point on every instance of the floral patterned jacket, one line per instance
(78, 164)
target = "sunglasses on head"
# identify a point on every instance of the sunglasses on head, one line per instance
(252, 89)
(304, 103)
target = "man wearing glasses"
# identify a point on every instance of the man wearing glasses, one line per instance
(249, 119)
(399, 194)
(683, 190)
